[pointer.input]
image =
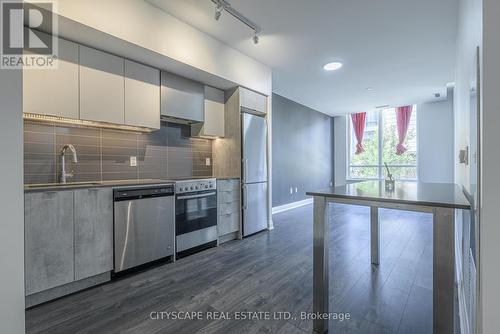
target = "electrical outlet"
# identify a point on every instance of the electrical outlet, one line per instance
(207, 161)
(133, 161)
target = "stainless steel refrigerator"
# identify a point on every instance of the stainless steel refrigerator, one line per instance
(254, 173)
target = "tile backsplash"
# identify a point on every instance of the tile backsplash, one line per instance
(105, 154)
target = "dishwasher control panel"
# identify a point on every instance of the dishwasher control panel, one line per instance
(192, 186)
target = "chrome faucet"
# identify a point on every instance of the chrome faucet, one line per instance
(64, 174)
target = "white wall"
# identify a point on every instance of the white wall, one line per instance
(140, 23)
(11, 204)
(490, 185)
(339, 149)
(469, 37)
(435, 141)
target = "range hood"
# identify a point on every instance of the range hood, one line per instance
(177, 120)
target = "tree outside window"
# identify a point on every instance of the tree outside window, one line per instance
(380, 140)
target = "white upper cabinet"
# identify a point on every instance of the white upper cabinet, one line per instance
(102, 92)
(142, 95)
(181, 98)
(54, 91)
(214, 115)
(253, 101)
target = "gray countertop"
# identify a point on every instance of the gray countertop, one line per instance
(114, 183)
(447, 195)
(96, 184)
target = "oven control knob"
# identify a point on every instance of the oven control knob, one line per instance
(206, 187)
(196, 187)
(192, 188)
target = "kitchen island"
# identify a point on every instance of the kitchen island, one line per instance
(440, 200)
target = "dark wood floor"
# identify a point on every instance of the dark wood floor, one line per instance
(271, 271)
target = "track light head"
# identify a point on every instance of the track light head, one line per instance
(217, 15)
(255, 39)
(218, 10)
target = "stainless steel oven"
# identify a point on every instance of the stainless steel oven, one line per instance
(195, 215)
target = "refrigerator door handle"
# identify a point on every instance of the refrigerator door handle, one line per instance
(245, 198)
(245, 170)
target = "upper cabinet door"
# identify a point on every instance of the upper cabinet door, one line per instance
(253, 101)
(214, 115)
(182, 98)
(54, 91)
(142, 95)
(102, 92)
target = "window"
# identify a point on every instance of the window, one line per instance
(380, 140)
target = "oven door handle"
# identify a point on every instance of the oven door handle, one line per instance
(197, 196)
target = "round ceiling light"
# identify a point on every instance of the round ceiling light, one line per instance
(333, 66)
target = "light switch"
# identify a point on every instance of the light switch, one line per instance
(133, 161)
(291, 191)
(207, 161)
(296, 189)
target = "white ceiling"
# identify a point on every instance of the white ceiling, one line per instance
(404, 49)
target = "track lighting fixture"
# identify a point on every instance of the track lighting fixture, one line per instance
(255, 38)
(222, 5)
(218, 10)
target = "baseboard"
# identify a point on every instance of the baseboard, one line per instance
(66, 289)
(228, 237)
(290, 206)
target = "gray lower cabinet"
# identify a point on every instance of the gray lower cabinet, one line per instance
(68, 236)
(49, 248)
(93, 232)
(228, 207)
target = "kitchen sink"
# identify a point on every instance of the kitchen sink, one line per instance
(69, 184)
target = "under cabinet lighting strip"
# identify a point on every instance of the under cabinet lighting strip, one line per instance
(84, 123)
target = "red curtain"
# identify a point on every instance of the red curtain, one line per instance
(403, 115)
(358, 123)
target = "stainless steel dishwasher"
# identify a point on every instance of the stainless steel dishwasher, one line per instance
(144, 225)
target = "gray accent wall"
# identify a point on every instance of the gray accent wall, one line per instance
(302, 150)
(105, 154)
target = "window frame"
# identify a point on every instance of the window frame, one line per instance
(380, 166)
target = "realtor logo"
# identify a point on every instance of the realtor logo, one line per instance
(22, 44)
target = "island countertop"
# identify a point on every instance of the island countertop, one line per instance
(447, 195)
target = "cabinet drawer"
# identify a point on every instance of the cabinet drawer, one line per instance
(228, 223)
(227, 196)
(228, 185)
(227, 208)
